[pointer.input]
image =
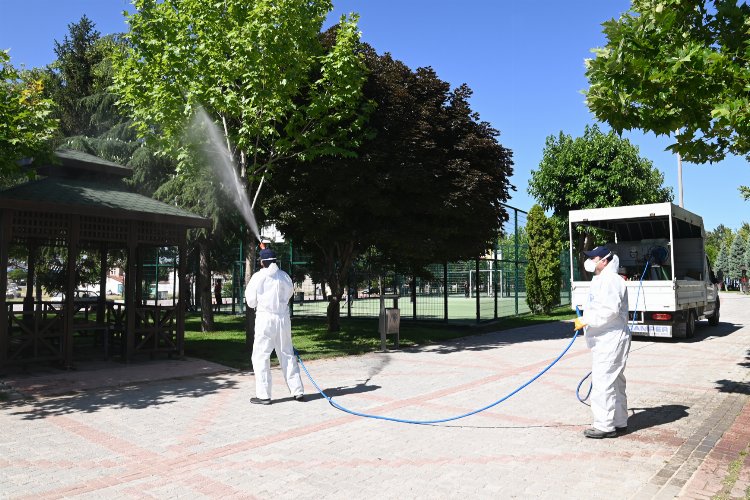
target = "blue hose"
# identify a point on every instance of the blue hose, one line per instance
(436, 421)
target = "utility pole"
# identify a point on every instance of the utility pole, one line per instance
(679, 173)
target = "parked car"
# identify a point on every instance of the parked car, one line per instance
(80, 295)
(12, 291)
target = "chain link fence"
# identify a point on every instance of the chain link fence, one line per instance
(471, 291)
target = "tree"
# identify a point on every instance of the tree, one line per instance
(594, 171)
(737, 257)
(721, 266)
(72, 77)
(26, 122)
(677, 65)
(721, 236)
(543, 275)
(257, 67)
(426, 186)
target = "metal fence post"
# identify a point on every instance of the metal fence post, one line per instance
(445, 291)
(515, 239)
(494, 277)
(476, 288)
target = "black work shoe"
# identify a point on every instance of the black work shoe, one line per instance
(299, 397)
(621, 430)
(597, 434)
(259, 401)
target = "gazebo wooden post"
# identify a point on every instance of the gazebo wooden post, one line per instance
(139, 260)
(28, 301)
(130, 290)
(183, 292)
(70, 285)
(101, 309)
(6, 234)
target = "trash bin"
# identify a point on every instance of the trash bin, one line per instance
(299, 297)
(389, 321)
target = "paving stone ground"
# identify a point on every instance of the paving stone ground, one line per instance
(185, 428)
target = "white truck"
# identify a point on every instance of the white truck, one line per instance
(662, 255)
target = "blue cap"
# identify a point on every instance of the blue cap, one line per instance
(267, 254)
(600, 252)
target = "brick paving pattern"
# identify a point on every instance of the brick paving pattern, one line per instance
(167, 429)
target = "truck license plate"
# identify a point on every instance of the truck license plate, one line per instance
(638, 328)
(652, 330)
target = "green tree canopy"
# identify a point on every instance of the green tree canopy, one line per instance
(673, 65)
(257, 67)
(722, 235)
(594, 171)
(427, 185)
(26, 122)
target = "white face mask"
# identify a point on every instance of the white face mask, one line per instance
(589, 265)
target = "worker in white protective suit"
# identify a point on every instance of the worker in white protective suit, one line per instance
(605, 318)
(268, 292)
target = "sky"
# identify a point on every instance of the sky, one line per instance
(523, 60)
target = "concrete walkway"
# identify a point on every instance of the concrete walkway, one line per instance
(168, 429)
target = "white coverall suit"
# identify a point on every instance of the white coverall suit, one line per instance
(268, 292)
(608, 337)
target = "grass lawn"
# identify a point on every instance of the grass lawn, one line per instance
(227, 345)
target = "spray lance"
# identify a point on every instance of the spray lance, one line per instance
(578, 388)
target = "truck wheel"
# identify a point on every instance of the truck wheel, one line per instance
(690, 324)
(713, 320)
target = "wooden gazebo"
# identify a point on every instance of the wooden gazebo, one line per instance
(83, 204)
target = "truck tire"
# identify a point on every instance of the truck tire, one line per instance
(690, 322)
(713, 320)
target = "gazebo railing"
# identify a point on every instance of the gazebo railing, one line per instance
(155, 329)
(39, 334)
(35, 335)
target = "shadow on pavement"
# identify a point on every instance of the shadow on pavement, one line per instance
(554, 330)
(643, 418)
(341, 391)
(143, 395)
(734, 387)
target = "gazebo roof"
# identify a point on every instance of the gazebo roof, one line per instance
(70, 161)
(83, 184)
(104, 198)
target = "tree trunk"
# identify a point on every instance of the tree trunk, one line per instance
(333, 314)
(207, 312)
(337, 269)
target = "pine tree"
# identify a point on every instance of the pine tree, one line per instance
(722, 262)
(72, 77)
(543, 275)
(737, 257)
